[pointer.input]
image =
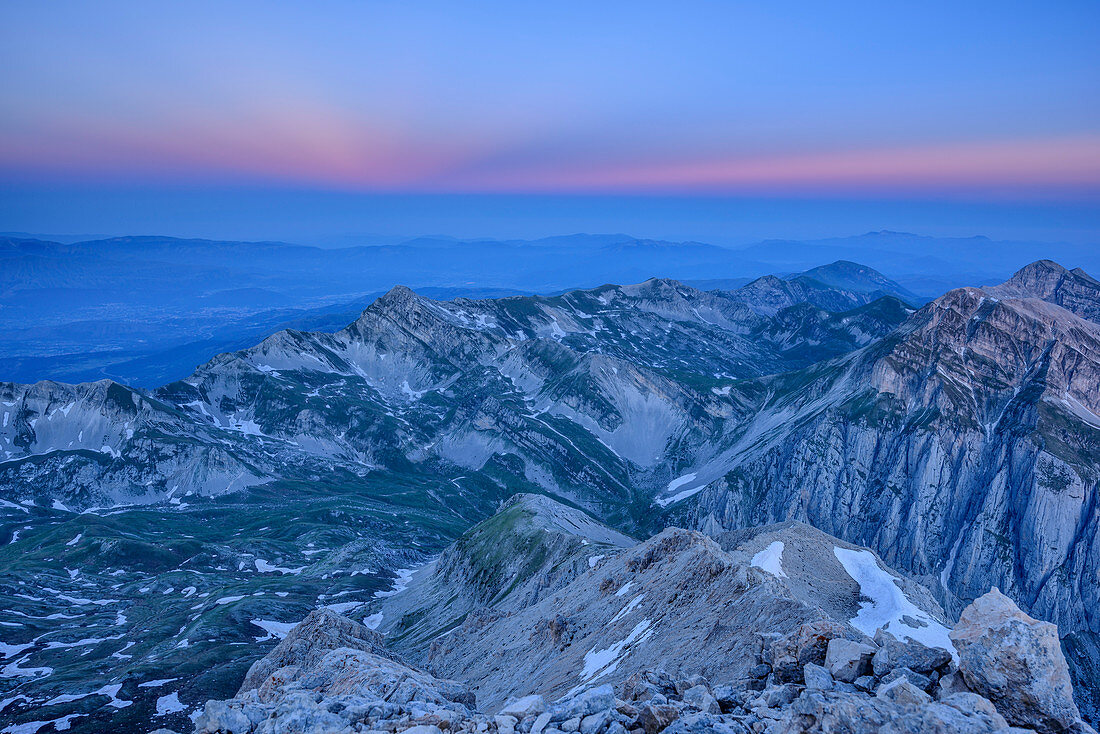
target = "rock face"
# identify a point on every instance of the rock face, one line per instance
(315, 636)
(964, 448)
(1016, 662)
(739, 651)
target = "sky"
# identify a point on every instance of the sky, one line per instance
(271, 120)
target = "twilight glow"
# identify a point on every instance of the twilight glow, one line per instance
(792, 98)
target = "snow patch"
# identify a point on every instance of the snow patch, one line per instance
(771, 560)
(628, 608)
(264, 567)
(598, 663)
(274, 630)
(229, 599)
(156, 683)
(404, 577)
(169, 704)
(889, 607)
(676, 484)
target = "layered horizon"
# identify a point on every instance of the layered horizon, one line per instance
(860, 105)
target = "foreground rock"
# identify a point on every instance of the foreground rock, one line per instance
(347, 690)
(675, 634)
(1017, 663)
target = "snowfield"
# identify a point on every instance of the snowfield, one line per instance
(771, 560)
(889, 607)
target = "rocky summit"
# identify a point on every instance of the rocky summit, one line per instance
(543, 495)
(786, 630)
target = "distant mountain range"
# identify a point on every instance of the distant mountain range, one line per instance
(147, 310)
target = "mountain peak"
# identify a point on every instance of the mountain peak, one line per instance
(1074, 290)
(1040, 268)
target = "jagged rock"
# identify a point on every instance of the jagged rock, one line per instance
(699, 697)
(600, 698)
(595, 723)
(922, 682)
(703, 723)
(894, 653)
(901, 690)
(540, 723)
(864, 683)
(647, 683)
(949, 683)
(970, 703)
(1016, 662)
(653, 718)
(847, 660)
(520, 708)
(817, 677)
(322, 631)
(807, 644)
(833, 711)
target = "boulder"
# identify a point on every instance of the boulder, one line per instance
(847, 660)
(807, 644)
(523, 707)
(864, 683)
(970, 703)
(699, 697)
(901, 691)
(589, 701)
(922, 682)
(817, 677)
(950, 683)
(594, 723)
(1017, 663)
(894, 653)
(654, 718)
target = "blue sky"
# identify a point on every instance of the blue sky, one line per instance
(970, 104)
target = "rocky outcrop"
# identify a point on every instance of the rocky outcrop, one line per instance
(598, 612)
(1016, 662)
(730, 651)
(314, 637)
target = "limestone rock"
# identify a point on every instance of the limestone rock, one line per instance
(1016, 662)
(817, 677)
(894, 653)
(900, 690)
(847, 660)
(322, 631)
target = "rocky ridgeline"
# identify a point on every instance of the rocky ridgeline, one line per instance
(765, 637)
(334, 675)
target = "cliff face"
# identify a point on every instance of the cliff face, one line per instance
(964, 448)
